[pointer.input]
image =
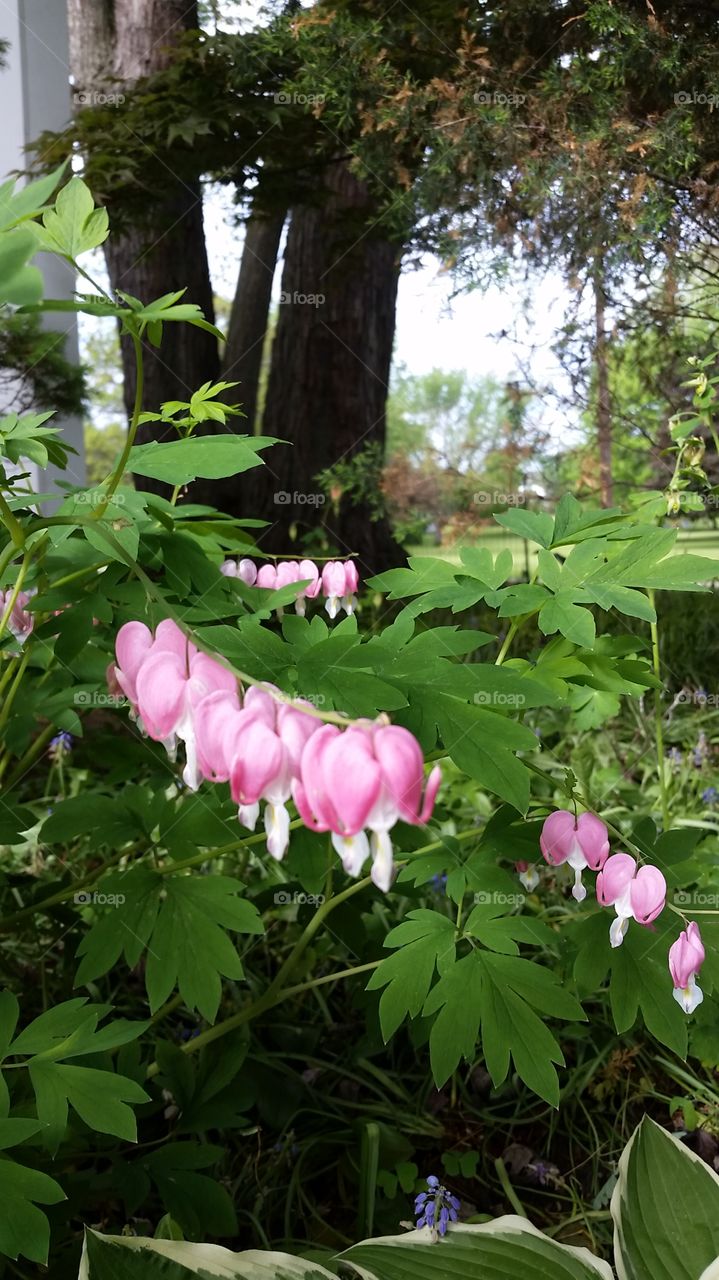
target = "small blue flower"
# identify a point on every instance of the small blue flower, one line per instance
(439, 882)
(435, 1208)
(60, 746)
(710, 796)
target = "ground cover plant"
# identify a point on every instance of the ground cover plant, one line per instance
(318, 901)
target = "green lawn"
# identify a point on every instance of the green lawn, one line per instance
(704, 542)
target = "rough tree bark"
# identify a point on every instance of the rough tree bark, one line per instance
(330, 366)
(242, 360)
(115, 42)
(604, 409)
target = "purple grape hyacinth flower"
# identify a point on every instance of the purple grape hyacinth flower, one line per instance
(436, 1208)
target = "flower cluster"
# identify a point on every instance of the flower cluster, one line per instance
(636, 893)
(338, 580)
(20, 623)
(349, 781)
(436, 1207)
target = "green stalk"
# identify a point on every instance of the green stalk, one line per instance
(10, 604)
(12, 524)
(132, 431)
(658, 719)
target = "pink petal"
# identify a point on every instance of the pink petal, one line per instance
(214, 717)
(614, 878)
(267, 576)
(402, 763)
(161, 687)
(593, 840)
(557, 837)
(353, 779)
(132, 645)
(648, 894)
(255, 758)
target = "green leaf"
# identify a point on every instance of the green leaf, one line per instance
(456, 999)
(537, 526)
(640, 980)
(563, 614)
(504, 1249)
(190, 947)
(423, 942)
(665, 1209)
(74, 225)
(208, 457)
(99, 1097)
(24, 1228)
(482, 743)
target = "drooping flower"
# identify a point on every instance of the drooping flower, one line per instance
(170, 682)
(635, 894)
(308, 570)
(340, 581)
(436, 1208)
(20, 622)
(580, 842)
(267, 577)
(528, 875)
(686, 957)
(367, 776)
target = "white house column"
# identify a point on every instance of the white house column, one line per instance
(35, 95)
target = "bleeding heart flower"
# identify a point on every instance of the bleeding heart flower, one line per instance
(364, 776)
(20, 623)
(582, 842)
(635, 895)
(686, 957)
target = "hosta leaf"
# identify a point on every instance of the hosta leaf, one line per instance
(665, 1209)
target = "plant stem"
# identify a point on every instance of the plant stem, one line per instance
(658, 724)
(12, 524)
(132, 431)
(508, 1189)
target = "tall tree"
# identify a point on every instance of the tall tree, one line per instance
(115, 45)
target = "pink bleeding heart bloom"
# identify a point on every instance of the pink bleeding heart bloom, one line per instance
(267, 577)
(366, 776)
(169, 686)
(247, 571)
(132, 645)
(582, 842)
(686, 957)
(20, 623)
(264, 762)
(307, 570)
(635, 894)
(229, 568)
(339, 584)
(528, 875)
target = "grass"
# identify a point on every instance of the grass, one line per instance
(703, 542)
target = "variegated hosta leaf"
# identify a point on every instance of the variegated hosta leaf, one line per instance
(665, 1209)
(501, 1250)
(506, 1249)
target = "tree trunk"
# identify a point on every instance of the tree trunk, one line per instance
(604, 411)
(330, 368)
(250, 310)
(116, 44)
